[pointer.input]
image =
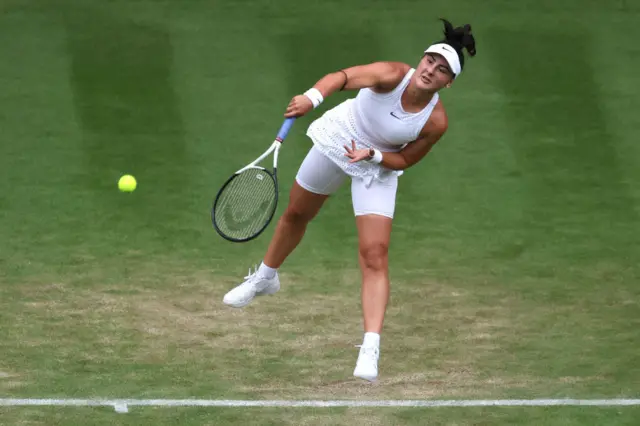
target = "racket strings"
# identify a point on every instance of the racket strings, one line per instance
(246, 204)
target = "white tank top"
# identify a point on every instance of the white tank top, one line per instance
(372, 120)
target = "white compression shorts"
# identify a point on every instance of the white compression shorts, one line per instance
(320, 175)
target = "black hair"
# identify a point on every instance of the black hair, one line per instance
(459, 38)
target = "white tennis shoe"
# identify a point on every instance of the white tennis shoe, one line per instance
(367, 365)
(254, 285)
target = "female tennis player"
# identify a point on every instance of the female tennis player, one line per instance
(392, 123)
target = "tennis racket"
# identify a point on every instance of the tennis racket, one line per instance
(247, 201)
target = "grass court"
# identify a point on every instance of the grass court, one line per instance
(515, 252)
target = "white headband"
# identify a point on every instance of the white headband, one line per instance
(449, 54)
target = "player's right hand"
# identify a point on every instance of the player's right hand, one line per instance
(298, 106)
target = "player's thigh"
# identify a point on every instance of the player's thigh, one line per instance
(374, 207)
(374, 234)
(317, 178)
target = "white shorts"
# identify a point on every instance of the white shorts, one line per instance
(320, 175)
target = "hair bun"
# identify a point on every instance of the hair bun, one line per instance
(459, 37)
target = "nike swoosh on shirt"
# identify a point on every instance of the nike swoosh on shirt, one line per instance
(393, 115)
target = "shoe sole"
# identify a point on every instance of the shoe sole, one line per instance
(246, 302)
(367, 378)
(237, 305)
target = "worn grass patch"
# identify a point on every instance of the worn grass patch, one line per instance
(440, 340)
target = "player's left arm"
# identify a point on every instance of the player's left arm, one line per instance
(415, 151)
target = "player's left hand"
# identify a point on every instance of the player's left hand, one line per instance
(356, 154)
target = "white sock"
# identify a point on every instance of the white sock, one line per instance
(371, 339)
(266, 272)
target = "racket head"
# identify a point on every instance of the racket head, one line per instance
(245, 204)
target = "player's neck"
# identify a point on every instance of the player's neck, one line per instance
(413, 98)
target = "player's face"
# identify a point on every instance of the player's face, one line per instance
(433, 73)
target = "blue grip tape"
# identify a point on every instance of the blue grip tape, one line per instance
(284, 129)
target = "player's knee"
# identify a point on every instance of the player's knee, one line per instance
(297, 215)
(375, 256)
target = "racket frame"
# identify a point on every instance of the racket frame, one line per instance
(275, 149)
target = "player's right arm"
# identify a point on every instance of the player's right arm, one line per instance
(379, 76)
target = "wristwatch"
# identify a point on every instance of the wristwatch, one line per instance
(371, 153)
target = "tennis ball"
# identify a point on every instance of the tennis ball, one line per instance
(127, 183)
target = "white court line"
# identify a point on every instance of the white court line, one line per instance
(122, 405)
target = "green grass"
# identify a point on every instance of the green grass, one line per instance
(514, 254)
(332, 416)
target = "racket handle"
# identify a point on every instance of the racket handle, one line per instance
(284, 129)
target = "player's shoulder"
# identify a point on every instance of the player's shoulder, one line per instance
(397, 69)
(438, 122)
(440, 118)
(393, 74)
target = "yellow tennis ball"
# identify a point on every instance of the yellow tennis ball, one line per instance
(127, 183)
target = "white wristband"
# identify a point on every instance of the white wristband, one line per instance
(315, 96)
(377, 157)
